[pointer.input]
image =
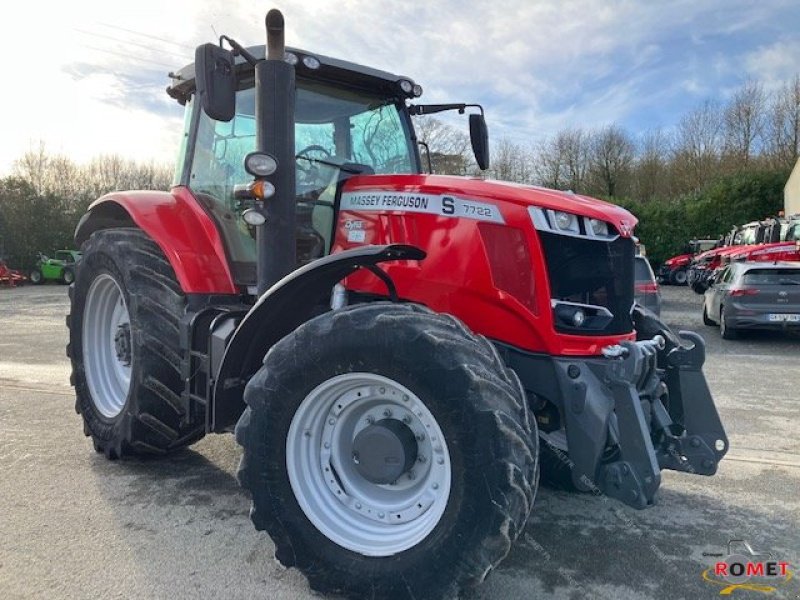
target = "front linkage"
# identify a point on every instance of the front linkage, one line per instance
(644, 407)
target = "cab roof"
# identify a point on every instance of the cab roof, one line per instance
(331, 70)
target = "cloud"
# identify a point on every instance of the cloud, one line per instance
(97, 84)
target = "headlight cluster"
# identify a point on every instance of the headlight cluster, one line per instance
(565, 223)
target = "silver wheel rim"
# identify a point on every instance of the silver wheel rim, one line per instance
(364, 517)
(107, 373)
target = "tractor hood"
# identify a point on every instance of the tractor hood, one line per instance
(498, 191)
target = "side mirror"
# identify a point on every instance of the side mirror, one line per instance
(216, 81)
(479, 136)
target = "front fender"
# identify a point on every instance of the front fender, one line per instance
(284, 307)
(178, 224)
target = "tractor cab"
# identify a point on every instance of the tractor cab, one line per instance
(348, 120)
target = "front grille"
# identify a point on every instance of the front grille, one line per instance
(592, 272)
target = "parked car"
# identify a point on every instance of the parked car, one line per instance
(61, 268)
(646, 289)
(754, 295)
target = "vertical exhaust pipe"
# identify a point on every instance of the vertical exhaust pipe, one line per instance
(275, 102)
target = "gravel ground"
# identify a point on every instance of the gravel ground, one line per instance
(76, 525)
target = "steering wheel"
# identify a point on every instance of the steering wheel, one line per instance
(304, 153)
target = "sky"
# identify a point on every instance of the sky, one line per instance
(87, 77)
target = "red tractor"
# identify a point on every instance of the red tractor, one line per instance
(397, 353)
(674, 270)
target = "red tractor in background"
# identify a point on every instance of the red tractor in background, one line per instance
(774, 239)
(9, 276)
(674, 270)
(397, 353)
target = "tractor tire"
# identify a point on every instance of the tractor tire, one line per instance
(36, 277)
(699, 287)
(125, 350)
(476, 470)
(67, 276)
(678, 277)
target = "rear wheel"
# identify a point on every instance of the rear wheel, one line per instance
(727, 332)
(389, 452)
(36, 277)
(706, 319)
(678, 277)
(125, 347)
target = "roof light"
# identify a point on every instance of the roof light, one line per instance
(311, 62)
(417, 89)
(406, 86)
(290, 58)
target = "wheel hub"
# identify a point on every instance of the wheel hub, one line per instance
(384, 451)
(122, 343)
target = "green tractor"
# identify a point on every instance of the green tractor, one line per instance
(61, 268)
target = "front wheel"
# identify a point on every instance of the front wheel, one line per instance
(389, 452)
(67, 276)
(36, 277)
(678, 277)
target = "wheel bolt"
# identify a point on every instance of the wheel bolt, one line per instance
(382, 390)
(358, 505)
(381, 515)
(439, 461)
(406, 419)
(370, 420)
(307, 433)
(327, 445)
(412, 475)
(435, 486)
(387, 413)
(421, 437)
(405, 397)
(331, 421)
(421, 458)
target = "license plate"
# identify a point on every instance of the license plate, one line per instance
(783, 317)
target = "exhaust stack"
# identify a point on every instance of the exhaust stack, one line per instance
(275, 103)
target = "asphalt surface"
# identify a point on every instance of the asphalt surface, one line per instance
(73, 524)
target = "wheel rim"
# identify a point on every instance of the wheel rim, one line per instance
(680, 277)
(107, 355)
(369, 518)
(35, 277)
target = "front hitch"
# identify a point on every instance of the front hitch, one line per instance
(642, 408)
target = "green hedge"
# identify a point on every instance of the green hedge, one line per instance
(664, 227)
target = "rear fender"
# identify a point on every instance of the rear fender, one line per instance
(178, 224)
(284, 307)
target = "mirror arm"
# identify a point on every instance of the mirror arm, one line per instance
(238, 49)
(429, 109)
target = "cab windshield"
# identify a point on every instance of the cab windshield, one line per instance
(333, 126)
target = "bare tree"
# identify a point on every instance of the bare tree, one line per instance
(744, 118)
(449, 148)
(611, 153)
(697, 146)
(650, 179)
(548, 161)
(783, 125)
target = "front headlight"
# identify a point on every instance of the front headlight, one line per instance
(564, 223)
(598, 227)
